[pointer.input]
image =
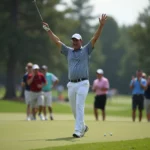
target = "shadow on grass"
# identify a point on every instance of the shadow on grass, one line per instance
(71, 139)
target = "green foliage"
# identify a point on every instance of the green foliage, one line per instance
(119, 51)
(80, 10)
(140, 34)
(112, 54)
(129, 62)
(24, 40)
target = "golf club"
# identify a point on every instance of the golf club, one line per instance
(34, 1)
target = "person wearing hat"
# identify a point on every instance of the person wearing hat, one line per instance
(27, 89)
(52, 81)
(100, 87)
(36, 81)
(78, 72)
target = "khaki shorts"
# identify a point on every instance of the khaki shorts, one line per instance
(147, 105)
(47, 98)
(37, 99)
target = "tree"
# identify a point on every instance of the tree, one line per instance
(80, 10)
(23, 38)
(111, 52)
(129, 62)
(140, 34)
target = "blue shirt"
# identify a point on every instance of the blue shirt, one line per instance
(50, 78)
(27, 87)
(78, 61)
(136, 86)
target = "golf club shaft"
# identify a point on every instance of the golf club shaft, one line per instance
(38, 10)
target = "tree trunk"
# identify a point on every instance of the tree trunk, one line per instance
(12, 60)
(10, 78)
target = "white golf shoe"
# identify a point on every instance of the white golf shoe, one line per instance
(28, 119)
(41, 117)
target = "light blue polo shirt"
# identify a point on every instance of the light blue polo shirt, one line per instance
(137, 88)
(50, 79)
(78, 61)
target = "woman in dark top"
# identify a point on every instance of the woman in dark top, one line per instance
(147, 99)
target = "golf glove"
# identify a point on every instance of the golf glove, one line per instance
(46, 28)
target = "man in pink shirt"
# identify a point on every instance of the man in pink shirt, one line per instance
(100, 87)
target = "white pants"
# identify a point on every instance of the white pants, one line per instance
(77, 93)
(47, 98)
(27, 97)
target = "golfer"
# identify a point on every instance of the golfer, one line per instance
(78, 61)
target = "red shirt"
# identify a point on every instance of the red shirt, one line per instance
(38, 79)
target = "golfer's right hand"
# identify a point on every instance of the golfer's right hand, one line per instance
(46, 26)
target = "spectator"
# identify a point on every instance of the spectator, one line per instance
(27, 89)
(147, 99)
(52, 81)
(138, 86)
(36, 80)
(144, 75)
(100, 87)
(60, 89)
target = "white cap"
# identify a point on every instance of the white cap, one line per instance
(77, 36)
(44, 67)
(35, 66)
(100, 71)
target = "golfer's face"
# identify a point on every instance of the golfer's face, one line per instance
(36, 71)
(76, 44)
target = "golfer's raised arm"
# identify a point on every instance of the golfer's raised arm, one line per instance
(52, 36)
(102, 21)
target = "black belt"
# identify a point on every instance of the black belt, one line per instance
(78, 80)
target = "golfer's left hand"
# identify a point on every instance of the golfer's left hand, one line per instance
(103, 19)
(46, 26)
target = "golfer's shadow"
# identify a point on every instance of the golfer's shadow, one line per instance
(71, 139)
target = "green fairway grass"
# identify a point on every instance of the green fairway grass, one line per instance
(117, 106)
(140, 144)
(18, 134)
